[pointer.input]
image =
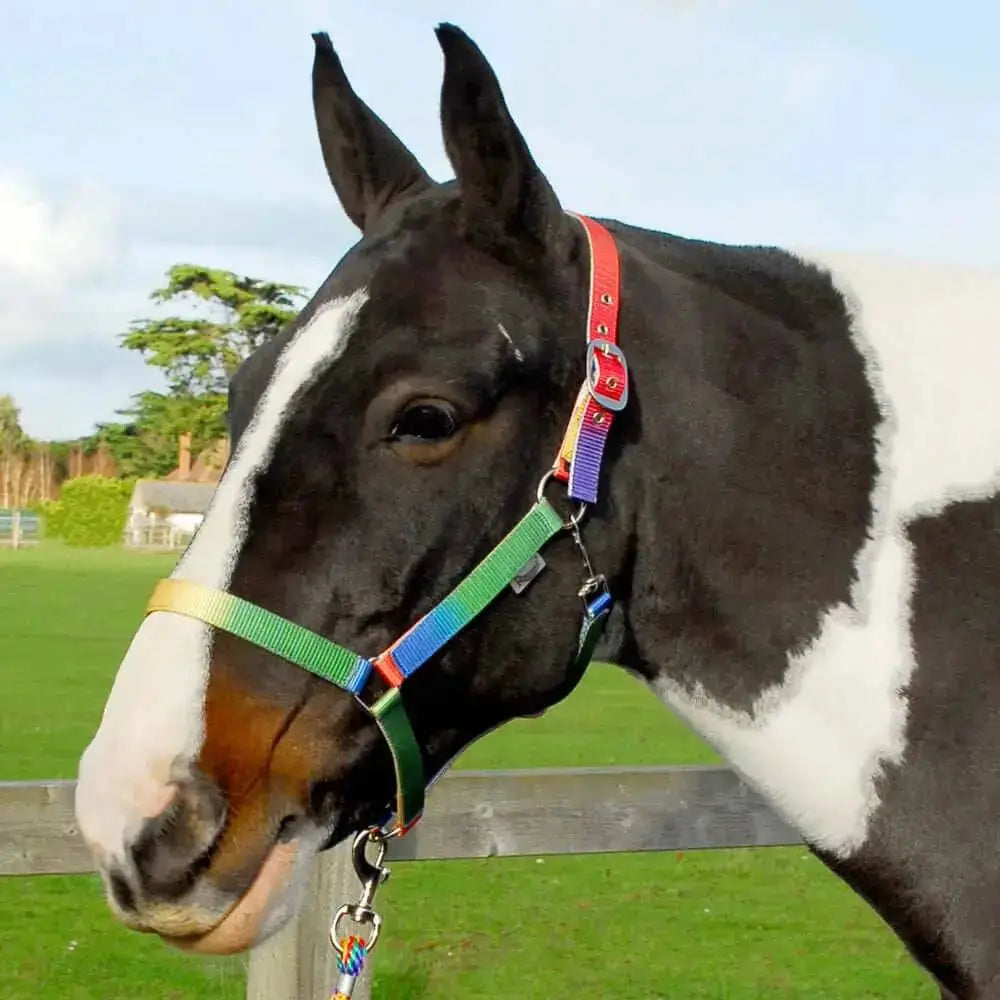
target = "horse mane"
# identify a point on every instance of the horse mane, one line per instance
(768, 279)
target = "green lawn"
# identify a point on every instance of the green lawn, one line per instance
(720, 924)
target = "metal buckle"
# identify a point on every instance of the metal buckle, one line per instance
(610, 350)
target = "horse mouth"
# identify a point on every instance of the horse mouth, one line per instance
(263, 908)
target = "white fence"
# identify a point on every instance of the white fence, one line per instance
(18, 528)
(155, 534)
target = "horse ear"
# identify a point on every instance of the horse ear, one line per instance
(505, 196)
(368, 165)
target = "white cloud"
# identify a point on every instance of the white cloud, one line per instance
(61, 295)
(51, 254)
(76, 267)
(44, 241)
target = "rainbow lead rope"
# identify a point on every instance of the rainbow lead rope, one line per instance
(350, 964)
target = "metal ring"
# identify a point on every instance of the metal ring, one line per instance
(361, 916)
(540, 492)
(574, 519)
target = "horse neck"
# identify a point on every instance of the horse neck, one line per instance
(744, 478)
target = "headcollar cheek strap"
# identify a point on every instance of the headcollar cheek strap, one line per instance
(606, 386)
(475, 593)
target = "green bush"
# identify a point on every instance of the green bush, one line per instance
(50, 511)
(90, 511)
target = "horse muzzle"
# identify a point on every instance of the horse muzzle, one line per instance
(201, 881)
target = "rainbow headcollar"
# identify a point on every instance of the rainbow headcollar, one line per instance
(578, 464)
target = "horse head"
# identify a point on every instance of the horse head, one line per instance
(382, 446)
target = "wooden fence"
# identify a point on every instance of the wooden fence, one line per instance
(470, 814)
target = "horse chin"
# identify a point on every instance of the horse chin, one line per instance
(271, 900)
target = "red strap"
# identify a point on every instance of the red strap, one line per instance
(606, 388)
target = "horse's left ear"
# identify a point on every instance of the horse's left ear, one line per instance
(505, 196)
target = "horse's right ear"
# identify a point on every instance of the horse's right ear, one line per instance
(368, 166)
(506, 198)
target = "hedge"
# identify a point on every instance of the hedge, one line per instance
(90, 511)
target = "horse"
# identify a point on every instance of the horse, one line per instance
(793, 528)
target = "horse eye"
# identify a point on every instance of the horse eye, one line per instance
(424, 422)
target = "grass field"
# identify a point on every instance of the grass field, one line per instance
(723, 924)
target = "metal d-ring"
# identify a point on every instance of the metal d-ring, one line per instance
(361, 915)
(573, 520)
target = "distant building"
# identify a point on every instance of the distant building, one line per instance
(167, 514)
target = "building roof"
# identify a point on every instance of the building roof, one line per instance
(177, 498)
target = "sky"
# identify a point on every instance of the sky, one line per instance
(135, 136)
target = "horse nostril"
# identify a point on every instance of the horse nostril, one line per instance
(172, 849)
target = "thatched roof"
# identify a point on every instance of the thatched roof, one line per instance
(177, 498)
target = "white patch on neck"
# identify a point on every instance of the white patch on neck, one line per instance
(153, 721)
(815, 743)
(506, 336)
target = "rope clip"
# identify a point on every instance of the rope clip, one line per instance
(372, 875)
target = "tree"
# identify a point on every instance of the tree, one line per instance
(30, 471)
(147, 444)
(197, 354)
(15, 451)
(11, 434)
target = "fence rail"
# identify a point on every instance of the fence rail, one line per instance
(155, 535)
(18, 528)
(470, 814)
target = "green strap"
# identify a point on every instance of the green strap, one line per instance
(474, 593)
(263, 628)
(407, 761)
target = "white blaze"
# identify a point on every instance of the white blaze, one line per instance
(814, 744)
(153, 720)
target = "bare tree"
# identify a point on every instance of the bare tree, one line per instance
(12, 442)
